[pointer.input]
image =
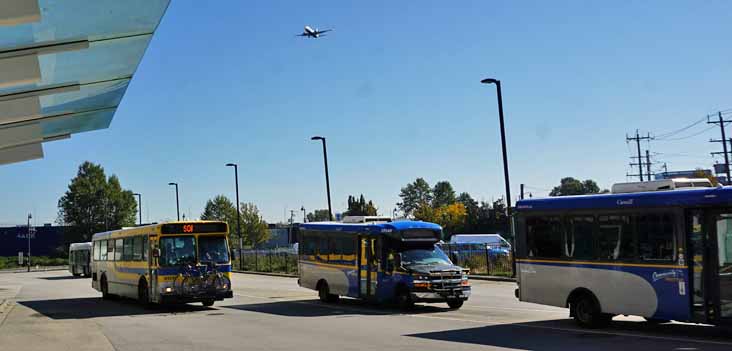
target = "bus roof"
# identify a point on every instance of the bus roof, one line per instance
(370, 228)
(670, 198)
(80, 246)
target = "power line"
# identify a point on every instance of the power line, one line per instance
(688, 136)
(677, 131)
(724, 141)
(640, 163)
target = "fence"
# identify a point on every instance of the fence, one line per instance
(272, 260)
(481, 259)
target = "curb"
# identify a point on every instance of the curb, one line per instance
(282, 275)
(492, 278)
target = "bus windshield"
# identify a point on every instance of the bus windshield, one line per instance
(431, 256)
(212, 249)
(177, 250)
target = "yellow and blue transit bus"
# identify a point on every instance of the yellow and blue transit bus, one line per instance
(662, 255)
(384, 262)
(175, 262)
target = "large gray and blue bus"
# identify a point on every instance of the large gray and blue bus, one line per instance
(664, 255)
(383, 262)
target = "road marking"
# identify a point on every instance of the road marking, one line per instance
(469, 307)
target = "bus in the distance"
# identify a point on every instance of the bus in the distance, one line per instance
(379, 261)
(176, 262)
(662, 255)
(79, 259)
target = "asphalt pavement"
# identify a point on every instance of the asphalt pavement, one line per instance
(53, 309)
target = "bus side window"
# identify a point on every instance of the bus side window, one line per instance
(137, 248)
(615, 238)
(323, 248)
(579, 230)
(544, 237)
(145, 246)
(656, 237)
(110, 250)
(127, 249)
(103, 250)
(118, 249)
(309, 244)
(97, 250)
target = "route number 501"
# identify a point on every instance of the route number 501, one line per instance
(188, 228)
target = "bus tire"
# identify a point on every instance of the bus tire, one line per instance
(207, 303)
(587, 313)
(76, 274)
(404, 299)
(455, 304)
(143, 293)
(104, 286)
(324, 293)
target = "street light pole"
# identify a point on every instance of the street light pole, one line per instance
(238, 215)
(304, 217)
(29, 235)
(139, 205)
(505, 166)
(503, 143)
(327, 179)
(177, 203)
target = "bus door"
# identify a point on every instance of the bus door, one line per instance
(711, 264)
(367, 267)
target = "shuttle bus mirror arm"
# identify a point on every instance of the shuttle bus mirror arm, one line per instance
(156, 252)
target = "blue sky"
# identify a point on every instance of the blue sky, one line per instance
(395, 89)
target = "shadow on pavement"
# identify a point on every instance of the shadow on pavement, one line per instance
(565, 335)
(316, 308)
(93, 307)
(63, 277)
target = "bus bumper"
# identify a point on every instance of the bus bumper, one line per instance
(175, 298)
(434, 296)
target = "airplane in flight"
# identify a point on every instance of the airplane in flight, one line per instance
(313, 33)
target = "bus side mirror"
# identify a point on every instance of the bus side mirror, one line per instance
(156, 252)
(232, 254)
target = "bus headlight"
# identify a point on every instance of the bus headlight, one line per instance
(168, 290)
(465, 281)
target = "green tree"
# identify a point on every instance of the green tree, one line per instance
(220, 208)
(443, 194)
(414, 195)
(359, 207)
(94, 203)
(472, 209)
(572, 186)
(318, 216)
(253, 226)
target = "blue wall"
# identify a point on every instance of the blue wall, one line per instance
(43, 243)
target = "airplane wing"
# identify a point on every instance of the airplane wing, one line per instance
(302, 35)
(323, 31)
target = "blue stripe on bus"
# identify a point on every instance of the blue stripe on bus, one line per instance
(169, 270)
(665, 282)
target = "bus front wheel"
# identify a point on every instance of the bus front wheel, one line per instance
(587, 313)
(207, 303)
(455, 304)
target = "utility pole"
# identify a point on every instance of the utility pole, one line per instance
(648, 164)
(724, 141)
(522, 192)
(29, 237)
(637, 140)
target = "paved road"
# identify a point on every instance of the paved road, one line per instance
(52, 309)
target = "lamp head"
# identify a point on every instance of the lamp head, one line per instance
(231, 165)
(317, 138)
(172, 183)
(490, 81)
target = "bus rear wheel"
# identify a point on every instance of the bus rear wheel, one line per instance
(207, 303)
(587, 313)
(325, 295)
(404, 299)
(105, 288)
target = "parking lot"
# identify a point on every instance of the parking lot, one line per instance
(45, 309)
